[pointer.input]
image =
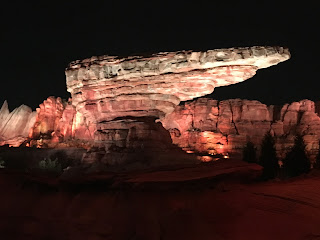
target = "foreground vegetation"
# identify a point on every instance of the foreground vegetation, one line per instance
(294, 164)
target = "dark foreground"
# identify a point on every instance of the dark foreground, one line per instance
(212, 201)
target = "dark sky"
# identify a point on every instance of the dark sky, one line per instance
(38, 40)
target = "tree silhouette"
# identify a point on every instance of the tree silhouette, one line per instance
(249, 153)
(268, 158)
(316, 165)
(296, 161)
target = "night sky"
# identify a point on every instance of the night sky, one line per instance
(39, 40)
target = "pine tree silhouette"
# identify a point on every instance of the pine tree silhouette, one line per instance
(268, 158)
(249, 153)
(296, 161)
(316, 165)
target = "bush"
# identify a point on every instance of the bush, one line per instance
(62, 158)
(296, 161)
(249, 153)
(316, 165)
(14, 162)
(2, 163)
(268, 158)
(49, 165)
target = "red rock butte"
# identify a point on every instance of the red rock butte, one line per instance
(120, 98)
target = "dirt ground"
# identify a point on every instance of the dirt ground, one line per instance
(206, 202)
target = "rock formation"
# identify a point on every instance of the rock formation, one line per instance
(105, 88)
(117, 103)
(225, 126)
(15, 125)
(49, 114)
(120, 99)
(204, 125)
(58, 125)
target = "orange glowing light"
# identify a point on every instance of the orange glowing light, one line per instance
(189, 151)
(280, 163)
(205, 158)
(206, 134)
(212, 152)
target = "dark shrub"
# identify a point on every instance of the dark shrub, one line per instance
(249, 153)
(296, 161)
(316, 165)
(268, 158)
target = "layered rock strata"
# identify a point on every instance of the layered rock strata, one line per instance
(116, 96)
(116, 103)
(104, 88)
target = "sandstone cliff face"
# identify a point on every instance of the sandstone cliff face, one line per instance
(205, 124)
(15, 125)
(108, 90)
(58, 124)
(49, 114)
(115, 102)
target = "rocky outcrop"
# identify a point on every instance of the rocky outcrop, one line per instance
(204, 125)
(116, 103)
(58, 124)
(226, 126)
(15, 125)
(119, 96)
(104, 88)
(49, 114)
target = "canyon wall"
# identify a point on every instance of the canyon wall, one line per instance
(57, 124)
(120, 98)
(203, 125)
(118, 103)
(207, 125)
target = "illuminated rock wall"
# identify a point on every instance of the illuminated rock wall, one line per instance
(49, 114)
(58, 124)
(119, 99)
(106, 87)
(202, 125)
(15, 125)
(226, 126)
(116, 103)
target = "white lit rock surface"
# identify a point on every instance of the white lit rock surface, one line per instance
(104, 88)
(15, 125)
